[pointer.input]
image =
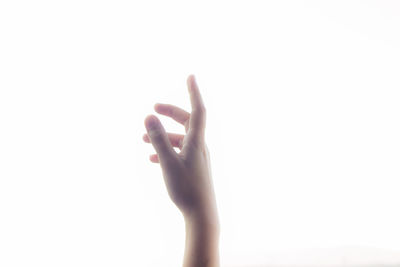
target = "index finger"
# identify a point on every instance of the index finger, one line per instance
(174, 112)
(198, 115)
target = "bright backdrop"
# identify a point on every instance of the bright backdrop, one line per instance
(303, 126)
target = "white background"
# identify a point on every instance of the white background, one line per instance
(303, 127)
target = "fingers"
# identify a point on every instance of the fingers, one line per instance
(176, 140)
(159, 139)
(198, 116)
(154, 158)
(174, 112)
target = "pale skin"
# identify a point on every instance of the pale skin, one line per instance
(187, 176)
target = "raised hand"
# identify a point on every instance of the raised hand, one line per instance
(187, 175)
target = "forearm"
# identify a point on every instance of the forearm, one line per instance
(202, 241)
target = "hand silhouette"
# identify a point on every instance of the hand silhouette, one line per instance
(187, 175)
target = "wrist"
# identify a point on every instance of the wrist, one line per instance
(202, 240)
(205, 222)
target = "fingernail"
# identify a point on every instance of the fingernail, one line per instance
(152, 123)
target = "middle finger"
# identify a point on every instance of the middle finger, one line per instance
(174, 112)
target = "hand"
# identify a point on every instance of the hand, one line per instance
(187, 176)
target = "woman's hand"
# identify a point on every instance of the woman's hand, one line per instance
(187, 175)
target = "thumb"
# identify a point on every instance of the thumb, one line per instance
(159, 138)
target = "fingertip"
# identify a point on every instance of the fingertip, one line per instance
(146, 119)
(190, 81)
(145, 138)
(151, 122)
(157, 106)
(160, 108)
(154, 158)
(150, 117)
